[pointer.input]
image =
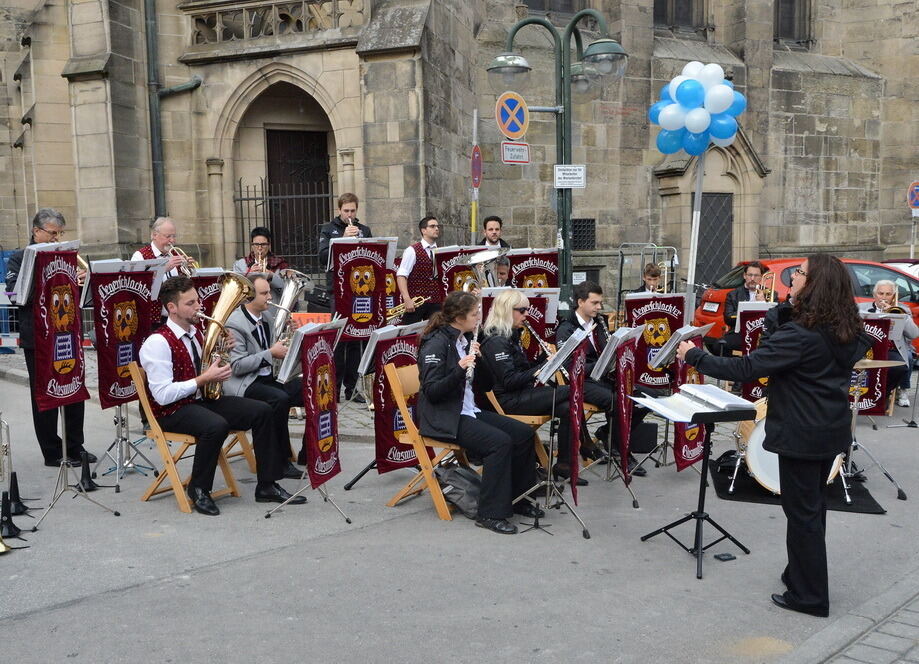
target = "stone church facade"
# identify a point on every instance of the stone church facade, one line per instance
(226, 115)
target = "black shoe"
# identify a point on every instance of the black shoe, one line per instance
(782, 601)
(635, 469)
(526, 508)
(291, 472)
(593, 453)
(71, 461)
(563, 472)
(89, 456)
(354, 396)
(202, 502)
(502, 526)
(275, 493)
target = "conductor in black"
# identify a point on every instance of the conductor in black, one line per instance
(447, 411)
(809, 360)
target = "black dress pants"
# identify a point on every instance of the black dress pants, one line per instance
(45, 421)
(538, 401)
(509, 459)
(804, 503)
(211, 421)
(281, 397)
(347, 360)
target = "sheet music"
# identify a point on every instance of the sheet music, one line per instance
(112, 265)
(291, 367)
(23, 291)
(897, 325)
(751, 306)
(620, 336)
(668, 350)
(714, 396)
(561, 357)
(382, 334)
(686, 405)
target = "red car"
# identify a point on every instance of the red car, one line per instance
(864, 275)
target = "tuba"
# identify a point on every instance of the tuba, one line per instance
(294, 284)
(234, 290)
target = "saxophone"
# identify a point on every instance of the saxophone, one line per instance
(294, 284)
(234, 290)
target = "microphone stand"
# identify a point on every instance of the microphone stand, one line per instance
(911, 422)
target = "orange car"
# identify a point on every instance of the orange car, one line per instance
(864, 275)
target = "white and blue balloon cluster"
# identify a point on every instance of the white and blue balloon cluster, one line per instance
(696, 107)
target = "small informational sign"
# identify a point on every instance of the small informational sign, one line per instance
(512, 115)
(578, 277)
(570, 176)
(476, 166)
(515, 152)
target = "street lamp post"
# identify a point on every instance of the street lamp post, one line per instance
(603, 58)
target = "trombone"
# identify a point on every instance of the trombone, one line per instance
(768, 290)
(399, 310)
(664, 267)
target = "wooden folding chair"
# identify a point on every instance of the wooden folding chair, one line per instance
(534, 421)
(404, 383)
(162, 439)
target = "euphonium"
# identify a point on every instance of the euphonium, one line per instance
(190, 266)
(294, 284)
(234, 290)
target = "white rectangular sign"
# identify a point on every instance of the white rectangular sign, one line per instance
(570, 176)
(515, 152)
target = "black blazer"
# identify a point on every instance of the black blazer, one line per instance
(737, 295)
(567, 327)
(511, 369)
(440, 400)
(501, 243)
(808, 416)
(332, 230)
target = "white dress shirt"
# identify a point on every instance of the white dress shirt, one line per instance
(136, 256)
(468, 397)
(584, 325)
(408, 258)
(156, 359)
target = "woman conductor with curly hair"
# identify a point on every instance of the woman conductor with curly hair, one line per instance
(809, 361)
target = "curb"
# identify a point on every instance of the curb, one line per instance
(832, 640)
(14, 376)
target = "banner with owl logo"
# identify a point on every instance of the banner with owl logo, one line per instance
(533, 268)
(688, 439)
(391, 297)
(320, 437)
(751, 329)
(626, 354)
(659, 315)
(452, 271)
(60, 377)
(359, 286)
(870, 387)
(576, 372)
(123, 314)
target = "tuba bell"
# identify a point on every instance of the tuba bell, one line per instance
(234, 290)
(294, 284)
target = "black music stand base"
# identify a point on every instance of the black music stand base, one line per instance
(700, 515)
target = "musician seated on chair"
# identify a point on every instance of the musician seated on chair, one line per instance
(514, 374)
(252, 360)
(650, 278)
(262, 260)
(886, 300)
(171, 356)
(162, 237)
(748, 291)
(588, 300)
(447, 411)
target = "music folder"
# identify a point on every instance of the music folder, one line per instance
(698, 404)
(291, 367)
(390, 248)
(751, 306)
(608, 356)
(112, 265)
(383, 334)
(22, 293)
(561, 356)
(897, 325)
(668, 351)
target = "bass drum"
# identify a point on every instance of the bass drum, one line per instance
(763, 465)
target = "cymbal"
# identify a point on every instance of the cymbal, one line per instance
(877, 364)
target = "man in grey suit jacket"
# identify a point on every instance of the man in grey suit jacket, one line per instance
(251, 359)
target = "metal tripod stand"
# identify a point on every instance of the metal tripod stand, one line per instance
(125, 453)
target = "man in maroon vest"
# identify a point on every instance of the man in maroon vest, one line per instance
(162, 235)
(171, 356)
(416, 275)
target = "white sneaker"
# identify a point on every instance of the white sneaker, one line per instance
(903, 401)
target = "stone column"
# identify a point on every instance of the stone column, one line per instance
(346, 170)
(215, 202)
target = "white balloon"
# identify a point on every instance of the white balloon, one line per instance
(674, 84)
(692, 69)
(697, 120)
(724, 142)
(718, 98)
(711, 74)
(672, 117)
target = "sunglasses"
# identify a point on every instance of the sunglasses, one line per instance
(521, 310)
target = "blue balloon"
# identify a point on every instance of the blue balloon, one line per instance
(738, 106)
(655, 110)
(665, 93)
(669, 142)
(690, 94)
(728, 83)
(695, 144)
(722, 126)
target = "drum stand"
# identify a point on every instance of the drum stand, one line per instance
(62, 485)
(125, 451)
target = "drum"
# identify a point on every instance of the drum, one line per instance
(763, 465)
(745, 428)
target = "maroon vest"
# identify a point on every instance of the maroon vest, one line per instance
(147, 252)
(421, 279)
(182, 369)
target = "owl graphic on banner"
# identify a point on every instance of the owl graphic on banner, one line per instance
(325, 400)
(656, 334)
(363, 284)
(63, 313)
(126, 326)
(463, 277)
(538, 280)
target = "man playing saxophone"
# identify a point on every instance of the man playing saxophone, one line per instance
(171, 356)
(251, 359)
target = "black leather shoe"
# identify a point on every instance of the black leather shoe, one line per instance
(635, 469)
(782, 601)
(354, 397)
(275, 493)
(502, 526)
(202, 502)
(526, 508)
(291, 472)
(593, 452)
(73, 463)
(89, 456)
(563, 472)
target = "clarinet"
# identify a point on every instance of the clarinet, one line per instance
(544, 346)
(604, 327)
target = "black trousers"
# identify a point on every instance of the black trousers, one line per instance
(347, 359)
(897, 376)
(804, 503)
(211, 421)
(538, 401)
(421, 313)
(509, 460)
(280, 396)
(45, 422)
(601, 394)
(731, 341)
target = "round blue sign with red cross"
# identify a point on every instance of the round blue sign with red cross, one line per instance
(512, 115)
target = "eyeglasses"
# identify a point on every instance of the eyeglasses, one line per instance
(57, 232)
(800, 272)
(521, 310)
(260, 244)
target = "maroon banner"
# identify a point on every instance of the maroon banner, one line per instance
(870, 387)
(320, 437)
(626, 354)
(388, 424)
(359, 286)
(208, 287)
(60, 373)
(452, 272)
(688, 439)
(660, 315)
(751, 329)
(576, 411)
(391, 297)
(123, 313)
(537, 268)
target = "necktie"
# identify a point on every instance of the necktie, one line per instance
(262, 339)
(194, 354)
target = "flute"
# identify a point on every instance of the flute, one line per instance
(470, 370)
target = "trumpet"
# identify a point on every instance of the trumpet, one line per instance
(544, 345)
(190, 266)
(399, 310)
(83, 265)
(768, 291)
(260, 265)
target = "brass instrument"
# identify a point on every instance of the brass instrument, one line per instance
(82, 265)
(260, 264)
(768, 291)
(399, 310)
(190, 266)
(664, 267)
(234, 290)
(294, 285)
(478, 262)
(546, 348)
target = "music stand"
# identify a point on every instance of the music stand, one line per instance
(700, 404)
